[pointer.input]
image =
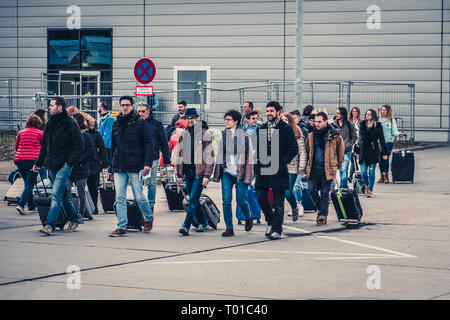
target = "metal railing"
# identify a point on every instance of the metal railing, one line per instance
(20, 97)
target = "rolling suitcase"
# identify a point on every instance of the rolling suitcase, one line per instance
(347, 206)
(107, 195)
(255, 209)
(207, 206)
(15, 192)
(135, 217)
(43, 202)
(402, 165)
(212, 212)
(174, 194)
(358, 183)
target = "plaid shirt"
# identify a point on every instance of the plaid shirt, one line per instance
(271, 126)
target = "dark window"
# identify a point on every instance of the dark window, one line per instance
(188, 80)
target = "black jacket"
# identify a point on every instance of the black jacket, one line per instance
(288, 149)
(100, 159)
(131, 143)
(81, 169)
(159, 139)
(367, 147)
(62, 143)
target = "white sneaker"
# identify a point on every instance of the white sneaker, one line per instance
(21, 210)
(269, 230)
(275, 236)
(289, 214)
(301, 211)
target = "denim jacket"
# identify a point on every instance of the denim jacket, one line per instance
(389, 129)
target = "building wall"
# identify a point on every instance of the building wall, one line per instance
(254, 40)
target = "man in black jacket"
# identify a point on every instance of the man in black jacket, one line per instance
(276, 147)
(160, 143)
(62, 146)
(132, 150)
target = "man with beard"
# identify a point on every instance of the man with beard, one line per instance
(325, 148)
(62, 147)
(275, 148)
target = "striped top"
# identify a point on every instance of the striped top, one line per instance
(28, 144)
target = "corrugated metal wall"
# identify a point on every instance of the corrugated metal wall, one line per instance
(254, 40)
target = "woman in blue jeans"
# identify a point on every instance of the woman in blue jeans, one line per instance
(370, 135)
(390, 131)
(296, 167)
(28, 145)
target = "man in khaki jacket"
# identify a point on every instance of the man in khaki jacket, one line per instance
(325, 148)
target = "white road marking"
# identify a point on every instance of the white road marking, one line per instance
(214, 261)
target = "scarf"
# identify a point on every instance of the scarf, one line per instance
(271, 126)
(124, 118)
(320, 134)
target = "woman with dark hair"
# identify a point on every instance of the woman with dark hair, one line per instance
(80, 171)
(355, 118)
(42, 114)
(390, 131)
(370, 134)
(28, 145)
(97, 162)
(295, 168)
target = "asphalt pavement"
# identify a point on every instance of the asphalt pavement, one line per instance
(401, 251)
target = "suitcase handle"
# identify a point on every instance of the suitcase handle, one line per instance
(43, 184)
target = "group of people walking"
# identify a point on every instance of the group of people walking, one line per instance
(273, 157)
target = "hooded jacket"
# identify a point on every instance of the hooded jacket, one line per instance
(334, 152)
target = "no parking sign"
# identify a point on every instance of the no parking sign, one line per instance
(144, 71)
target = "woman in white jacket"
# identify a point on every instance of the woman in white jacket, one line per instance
(297, 166)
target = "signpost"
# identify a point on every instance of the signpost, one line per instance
(144, 73)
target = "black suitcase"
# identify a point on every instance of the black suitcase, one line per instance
(43, 202)
(347, 206)
(107, 195)
(212, 212)
(206, 205)
(402, 165)
(358, 182)
(136, 219)
(174, 196)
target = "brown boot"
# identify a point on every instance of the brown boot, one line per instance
(369, 194)
(386, 177)
(381, 180)
(148, 226)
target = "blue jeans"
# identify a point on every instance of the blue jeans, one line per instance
(151, 182)
(297, 190)
(194, 189)
(317, 182)
(29, 178)
(368, 174)
(384, 164)
(289, 193)
(121, 183)
(227, 196)
(61, 196)
(343, 170)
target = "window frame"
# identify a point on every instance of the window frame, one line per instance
(192, 68)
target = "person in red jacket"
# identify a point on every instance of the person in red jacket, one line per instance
(28, 145)
(180, 125)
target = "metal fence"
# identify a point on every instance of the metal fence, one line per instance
(20, 97)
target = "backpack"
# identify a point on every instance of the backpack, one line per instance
(14, 175)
